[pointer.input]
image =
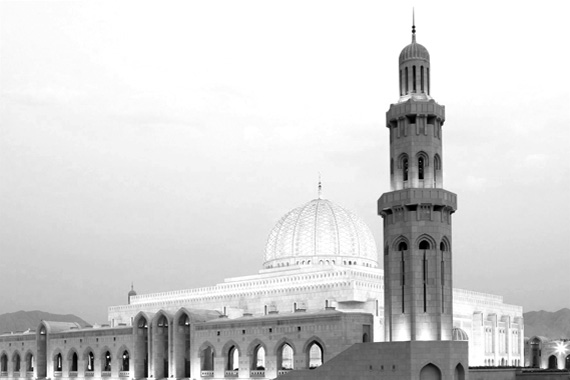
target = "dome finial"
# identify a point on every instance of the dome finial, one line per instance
(320, 188)
(413, 25)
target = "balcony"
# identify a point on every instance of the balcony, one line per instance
(257, 373)
(231, 373)
(72, 373)
(283, 371)
(207, 373)
(124, 374)
(89, 373)
(105, 373)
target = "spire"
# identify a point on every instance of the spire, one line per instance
(320, 190)
(132, 286)
(413, 25)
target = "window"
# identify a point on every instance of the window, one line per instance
(405, 168)
(125, 361)
(424, 244)
(57, 365)
(315, 355)
(258, 361)
(90, 362)
(233, 359)
(74, 362)
(421, 168)
(286, 357)
(414, 78)
(107, 361)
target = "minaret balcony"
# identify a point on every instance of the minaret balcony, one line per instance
(412, 196)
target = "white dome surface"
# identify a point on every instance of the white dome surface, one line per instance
(320, 232)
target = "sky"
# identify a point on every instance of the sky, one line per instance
(159, 142)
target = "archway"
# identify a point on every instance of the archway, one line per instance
(233, 359)
(567, 365)
(207, 359)
(181, 337)
(459, 372)
(315, 355)
(430, 372)
(29, 362)
(552, 362)
(258, 358)
(106, 362)
(285, 356)
(140, 332)
(160, 347)
(73, 360)
(57, 363)
(125, 361)
(90, 363)
(16, 360)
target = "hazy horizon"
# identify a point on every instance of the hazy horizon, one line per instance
(159, 143)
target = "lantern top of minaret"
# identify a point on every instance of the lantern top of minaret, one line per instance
(414, 51)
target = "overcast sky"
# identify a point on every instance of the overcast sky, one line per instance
(159, 142)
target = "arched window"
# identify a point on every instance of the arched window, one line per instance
(73, 362)
(365, 338)
(424, 244)
(459, 372)
(90, 362)
(207, 359)
(162, 323)
(402, 246)
(125, 361)
(406, 77)
(315, 355)
(414, 78)
(57, 364)
(391, 166)
(552, 362)
(233, 359)
(4, 363)
(258, 359)
(428, 84)
(401, 89)
(405, 168)
(16, 363)
(29, 362)
(422, 78)
(420, 168)
(106, 363)
(567, 366)
(143, 324)
(286, 357)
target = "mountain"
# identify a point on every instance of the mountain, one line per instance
(552, 325)
(24, 320)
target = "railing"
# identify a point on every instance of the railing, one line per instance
(4, 374)
(57, 374)
(89, 373)
(29, 373)
(72, 373)
(105, 373)
(283, 371)
(124, 373)
(232, 374)
(207, 373)
(257, 373)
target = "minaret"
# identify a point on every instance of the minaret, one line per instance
(417, 212)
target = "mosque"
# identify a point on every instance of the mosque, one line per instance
(320, 301)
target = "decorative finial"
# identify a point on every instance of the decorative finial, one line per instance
(413, 25)
(320, 186)
(132, 286)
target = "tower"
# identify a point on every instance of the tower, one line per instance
(417, 211)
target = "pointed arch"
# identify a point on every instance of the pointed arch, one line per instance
(29, 360)
(257, 351)
(445, 245)
(314, 350)
(425, 238)
(3, 362)
(285, 356)
(16, 362)
(430, 372)
(397, 244)
(72, 359)
(231, 353)
(57, 359)
(459, 372)
(207, 355)
(403, 165)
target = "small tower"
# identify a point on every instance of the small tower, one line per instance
(417, 212)
(132, 293)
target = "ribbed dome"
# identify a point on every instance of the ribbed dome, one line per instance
(459, 334)
(320, 232)
(414, 51)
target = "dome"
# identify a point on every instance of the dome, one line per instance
(414, 51)
(320, 232)
(459, 334)
(132, 291)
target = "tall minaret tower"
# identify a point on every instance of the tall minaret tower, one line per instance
(417, 212)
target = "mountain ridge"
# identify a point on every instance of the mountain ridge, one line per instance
(21, 320)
